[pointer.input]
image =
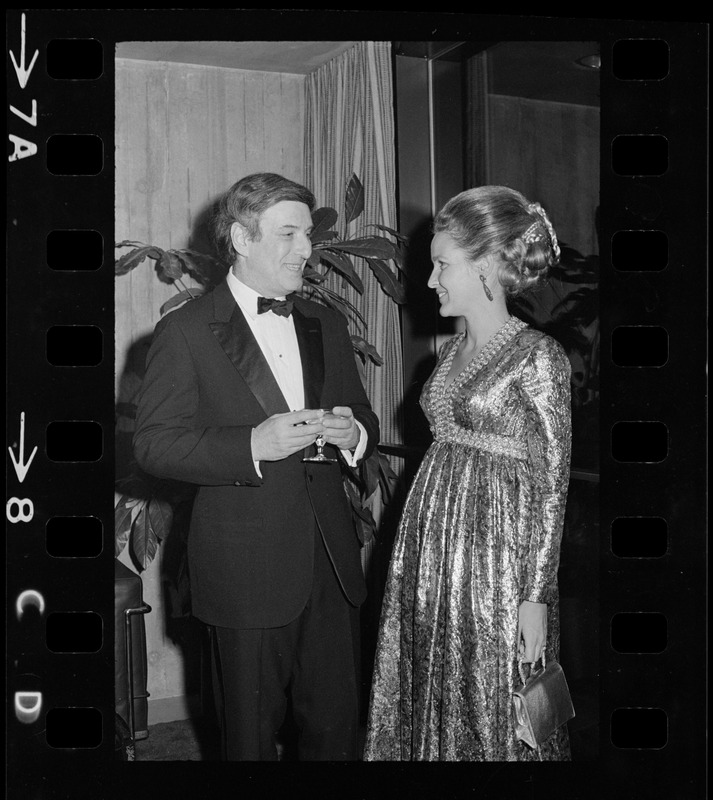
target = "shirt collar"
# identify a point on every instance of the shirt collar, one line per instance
(244, 295)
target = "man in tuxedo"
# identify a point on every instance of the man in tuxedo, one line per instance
(231, 402)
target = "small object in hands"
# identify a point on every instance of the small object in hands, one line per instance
(542, 704)
(319, 457)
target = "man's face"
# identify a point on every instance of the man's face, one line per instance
(273, 265)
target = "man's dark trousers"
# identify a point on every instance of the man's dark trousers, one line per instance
(314, 656)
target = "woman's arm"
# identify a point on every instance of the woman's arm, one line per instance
(546, 390)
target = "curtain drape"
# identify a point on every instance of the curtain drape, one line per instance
(349, 128)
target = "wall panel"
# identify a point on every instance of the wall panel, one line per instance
(184, 134)
(550, 152)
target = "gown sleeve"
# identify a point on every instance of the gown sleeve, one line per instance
(547, 396)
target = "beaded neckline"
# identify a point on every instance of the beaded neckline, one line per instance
(496, 341)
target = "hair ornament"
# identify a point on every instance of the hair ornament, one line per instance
(535, 232)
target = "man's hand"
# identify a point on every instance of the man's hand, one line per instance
(532, 630)
(340, 428)
(281, 435)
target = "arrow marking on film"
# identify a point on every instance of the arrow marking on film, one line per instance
(23, 75)
(21, 467)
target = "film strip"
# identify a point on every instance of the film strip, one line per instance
(60, 391)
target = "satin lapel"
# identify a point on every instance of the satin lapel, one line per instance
(232, 331)
(309, 339)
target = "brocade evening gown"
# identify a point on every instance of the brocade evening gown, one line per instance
(480, 533)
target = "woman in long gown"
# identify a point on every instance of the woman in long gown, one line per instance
(472, 585)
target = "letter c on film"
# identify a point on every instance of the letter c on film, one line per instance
(29, 598)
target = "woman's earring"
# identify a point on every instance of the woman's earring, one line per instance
(487, 291)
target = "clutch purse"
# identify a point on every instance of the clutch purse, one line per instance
(541, 704)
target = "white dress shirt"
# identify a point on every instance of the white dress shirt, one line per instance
(277, 339)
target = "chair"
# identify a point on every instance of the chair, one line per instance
(130, 661)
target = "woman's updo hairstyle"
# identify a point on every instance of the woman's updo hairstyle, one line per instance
(498, 220)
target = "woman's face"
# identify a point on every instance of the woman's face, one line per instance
(454, 278)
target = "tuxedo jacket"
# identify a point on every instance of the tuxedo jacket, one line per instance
(251, 538)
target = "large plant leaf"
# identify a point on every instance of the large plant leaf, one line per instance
(160, 517)
(121, 509)
(322, 220)
(573, 264)
(366, 247)
(578, 308)
(394, 233)
(138, 541)
(126, 511)
(169, 267)
(323, 236)
(205, 269)
(122, 525)
(398, 253)
(132, 259)
(389, 479)
(367, 349)
(313, 275)
(398, 259)
(363, 512)
(143, 543)
(389, 282)
(370, 475)
(364, 522)
(326, 300)
(137, 505)
(334, 300)
(129, 243)
(353, 199)
(181, 297)
(121, 537)
(344, 267)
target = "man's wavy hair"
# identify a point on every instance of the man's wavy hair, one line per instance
(246, 201)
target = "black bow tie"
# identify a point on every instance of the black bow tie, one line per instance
(281, 307)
